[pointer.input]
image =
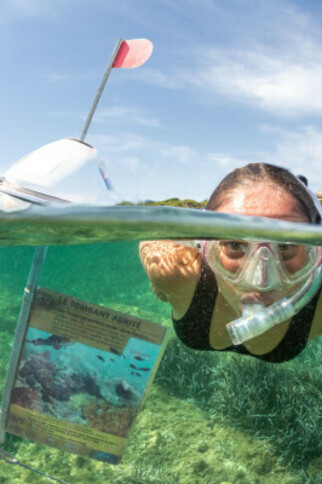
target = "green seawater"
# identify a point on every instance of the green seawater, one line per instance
(209, 417)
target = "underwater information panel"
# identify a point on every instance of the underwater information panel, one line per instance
(83, 372)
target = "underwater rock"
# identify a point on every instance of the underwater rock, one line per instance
(119, 392)
(62, 388)
(35, 364)
(25, 397)
(90, 386)
(106, 417)
(59, 383)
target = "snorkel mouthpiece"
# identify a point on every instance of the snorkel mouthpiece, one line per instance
(257, 319)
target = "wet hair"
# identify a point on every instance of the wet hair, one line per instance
(276, 176)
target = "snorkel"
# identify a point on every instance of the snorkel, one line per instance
(257, 319)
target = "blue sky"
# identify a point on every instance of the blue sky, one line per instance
(229, 82)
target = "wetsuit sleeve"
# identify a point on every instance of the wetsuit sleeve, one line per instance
(169, 265)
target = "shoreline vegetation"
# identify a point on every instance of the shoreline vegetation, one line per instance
(186, 203)
(172, 202)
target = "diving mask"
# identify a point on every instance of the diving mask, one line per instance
(263, 266)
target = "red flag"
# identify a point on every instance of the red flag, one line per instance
(129, 53)
(133, 53)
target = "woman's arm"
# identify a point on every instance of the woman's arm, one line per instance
(173, 270)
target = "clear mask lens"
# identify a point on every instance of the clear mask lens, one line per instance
(264, 266)
(262, 271)
(298, 261)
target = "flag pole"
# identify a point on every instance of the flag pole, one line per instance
(100, 90)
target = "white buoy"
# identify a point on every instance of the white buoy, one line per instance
(64, 171)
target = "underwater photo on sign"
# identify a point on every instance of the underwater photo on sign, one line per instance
(82, 397)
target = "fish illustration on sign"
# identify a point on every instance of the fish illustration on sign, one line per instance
(139, 358)
(54, 340)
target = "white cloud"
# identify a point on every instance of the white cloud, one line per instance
(129, 114)
(68, 114)
(269, 56)
(29, 8)
(181, 154)
(224, 160)
(119, 143)
(163, 170)
(270, 80)
(272, 58)
(130, 163)
(300, 151)
(168, 80)
(58, 77)
(137, 144)
(120, 115)
(277, 68)
(55, 77)
(160, 169)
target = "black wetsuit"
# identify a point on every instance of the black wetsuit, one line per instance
(193, 328)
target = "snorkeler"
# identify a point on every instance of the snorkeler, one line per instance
(258, 299)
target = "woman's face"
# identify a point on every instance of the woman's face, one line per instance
(263, 200)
